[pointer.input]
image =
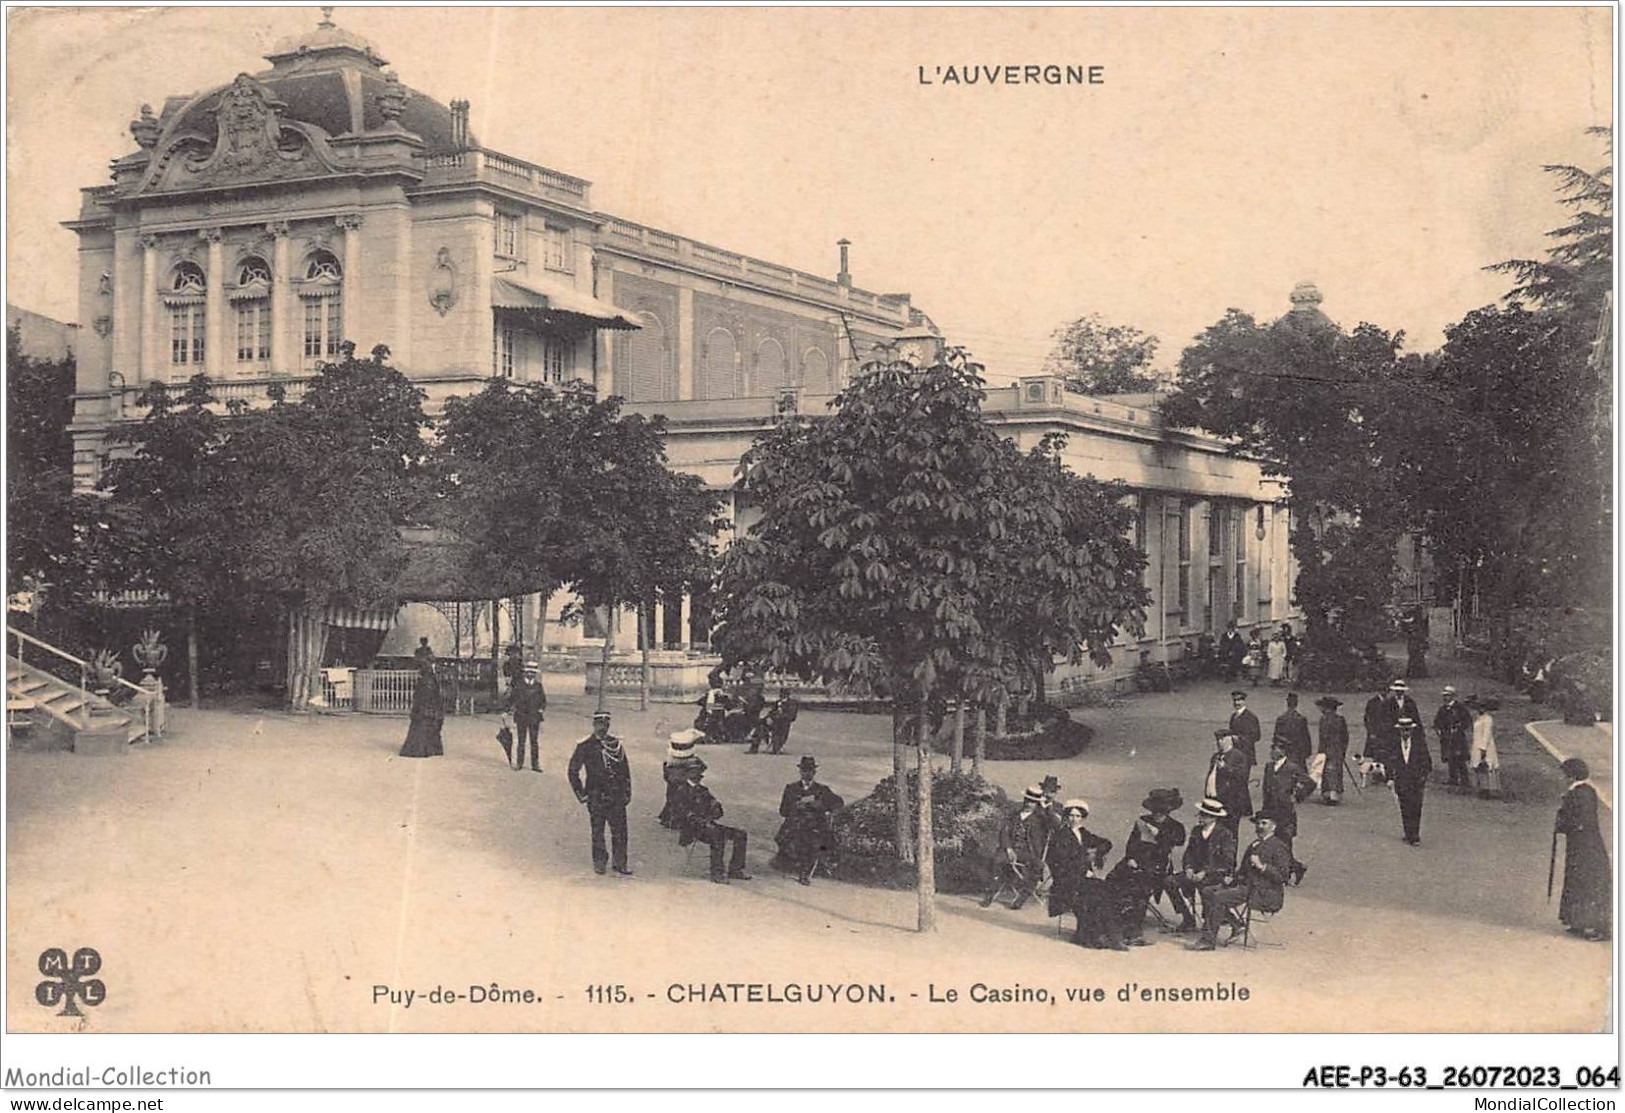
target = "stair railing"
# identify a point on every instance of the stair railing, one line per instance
(143, 698)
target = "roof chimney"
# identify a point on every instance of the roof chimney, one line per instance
(843, 278)
(459, 125)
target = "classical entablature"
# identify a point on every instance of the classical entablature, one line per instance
(252, 144)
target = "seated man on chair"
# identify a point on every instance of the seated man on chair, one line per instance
(699, 812)
(1210, 857)
(1258, 884)
(807, 833)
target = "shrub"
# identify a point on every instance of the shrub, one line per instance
(966, 812)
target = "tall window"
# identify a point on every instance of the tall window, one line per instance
(324, 320)
(323, 299)
(186, 334)
(510, 235)
(554, 358)
(558, 249)
(502, 347)
(187, 315)
(252, 298)
(254, 331)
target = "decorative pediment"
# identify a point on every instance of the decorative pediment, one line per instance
(251, 143)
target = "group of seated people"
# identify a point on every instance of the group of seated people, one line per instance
(805, 837)
(744, 715)
(1111, 905)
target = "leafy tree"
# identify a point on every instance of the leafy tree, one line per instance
(888, 530)
(1097, 357)
(322, 487)
(1576, 277)
(557, 487)
(1325, 410)
(169, 522)
(40, 513)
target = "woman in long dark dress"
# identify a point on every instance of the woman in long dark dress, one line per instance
(1587, 881)
(423, 736)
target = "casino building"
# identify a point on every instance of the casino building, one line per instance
(259, 224)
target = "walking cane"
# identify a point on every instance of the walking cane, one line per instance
(1551, 869)
(1354, 777)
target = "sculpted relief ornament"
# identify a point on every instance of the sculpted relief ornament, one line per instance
(252, 142)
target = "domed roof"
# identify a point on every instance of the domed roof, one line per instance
(1306, 315)
(332, 79)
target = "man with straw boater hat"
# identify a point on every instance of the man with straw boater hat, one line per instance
(1408, 771)
(527, 703)
(1019, 861)
(1210, 858)
(1259, 883)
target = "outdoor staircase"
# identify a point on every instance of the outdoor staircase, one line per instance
(45, 712)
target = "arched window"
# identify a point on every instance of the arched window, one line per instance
(188, 279)
(770, 370)
(721, 365)
(643, 370)
(322, 300)
(323, 266)
(252, 300)
(815, 377)
(187, 315)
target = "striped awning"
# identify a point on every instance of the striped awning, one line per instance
(550, 296)
(359, 618)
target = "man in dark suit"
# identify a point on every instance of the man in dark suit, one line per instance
(1227, 780)
(606, 790)
(699, 813)
(527, 703)
(1285, 784)
(1398, 705)
(1454, 725)
(1259, 882)
(1210, 859)
(1244, 725)
(1408, 772)
(807, 830)
(1232, 648)
(1292, 728)
(1019, 860)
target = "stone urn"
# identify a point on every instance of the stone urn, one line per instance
(150, 653)
(104, 672)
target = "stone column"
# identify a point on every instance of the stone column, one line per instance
(350, 225)
(686, 616)
(285, 338)
(682, 341)
(603, 288)
(150, 362)
(215, 326)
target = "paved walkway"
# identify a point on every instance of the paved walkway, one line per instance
(1594, 745)
(267, 872)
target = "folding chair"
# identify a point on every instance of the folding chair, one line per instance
(1251, 919)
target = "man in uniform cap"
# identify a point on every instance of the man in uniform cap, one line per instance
(1259, 882)
(1210, 858)
(527, 703)
(1227, 779)
(1244, 725)
(1408, 771)
(1285, 784)
(1454, 724)
(807, 832)
(606, 790)
(1019, 861)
